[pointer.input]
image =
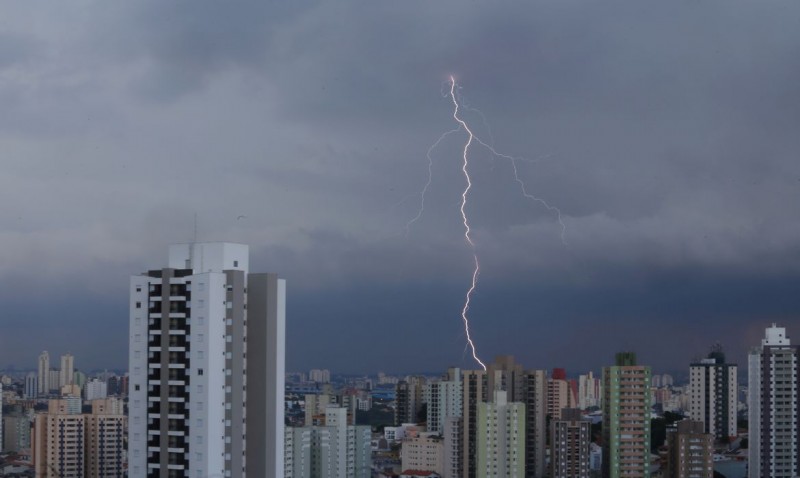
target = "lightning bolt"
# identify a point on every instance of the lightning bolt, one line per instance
(472, 138)
(430, 178)
(524, 190)
(467, 230)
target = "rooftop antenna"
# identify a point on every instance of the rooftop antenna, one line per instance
(191, 246)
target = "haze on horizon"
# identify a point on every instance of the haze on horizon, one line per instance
(666, 132)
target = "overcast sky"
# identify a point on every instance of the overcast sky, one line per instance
(665, 132)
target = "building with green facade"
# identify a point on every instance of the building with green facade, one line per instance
(626, 418)
(501, 438)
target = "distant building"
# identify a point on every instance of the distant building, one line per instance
(44, 373)
(626, 418)
(690, 451)
(67, 370)
(443, 399)
(408, 397)
(31, 386)
(589, 391)
(332, 450)
(424, 453)
(570, 439)
(16, 430)
(320, 376)
(774, 418)
(713, 389)
(54, 381)
(315, 406)
(559, 395)
(95, 388)
(68, 444)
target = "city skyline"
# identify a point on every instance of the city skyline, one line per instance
(666, 135)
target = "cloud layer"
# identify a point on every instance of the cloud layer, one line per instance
(665, 133)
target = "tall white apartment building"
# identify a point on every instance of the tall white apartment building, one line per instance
(589, 391)
(44, 373)
(444, 399)
(774, 415)
(501, 438)
(207, 366)
(713, 389)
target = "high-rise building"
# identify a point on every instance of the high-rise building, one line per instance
(68, 444)
(570, 439)
(443, 399)
(501, 438)
(105, 430)
(67, 370)
(335, 449)
(589, 391)
(690, 451)
(626, 418)
(535, 399)
(525, 386)
(408, 397)
(713, 389)
(54, 381)
(453, 448)
(59, 448)
(558, 394)
(44, 373)
(774, 414)
(16, 431)
(206, 366)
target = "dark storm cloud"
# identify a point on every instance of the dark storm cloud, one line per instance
(665, 132)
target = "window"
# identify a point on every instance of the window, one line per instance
(235, 263)
(138, 305)
(199, 371)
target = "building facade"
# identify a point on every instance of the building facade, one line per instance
(570, 440)
(501, 438)
(66, 373)
(206, 366)
(713, 392)
(690, 451)
(443, 399)
(44, 373)
(774, 408)
(626, 418)
(335, 449)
